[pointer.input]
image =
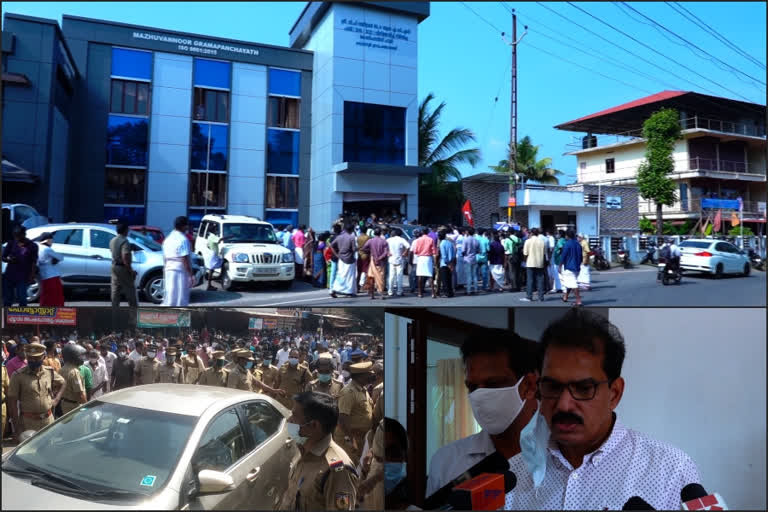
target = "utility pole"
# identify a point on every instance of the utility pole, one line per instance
(512, 201)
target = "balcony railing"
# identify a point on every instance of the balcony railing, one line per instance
(711, 164)
(691, 206)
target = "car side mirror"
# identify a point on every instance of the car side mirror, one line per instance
(214, 482)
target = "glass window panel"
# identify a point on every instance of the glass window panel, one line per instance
(374, 133)
(116, 105)
(219, 148)
(263, 421)
(282, 192)
(284, 82)
(211, 73)
(124, 186)
(210, 105)
(212, 193)
(199, 146)
(222, 107)
(131, 63)
(68, 237)
(100, 239)
(142, 99)
(273, 112)
(133, 215)
(130, 98)
(282, 219)
(282, 152)
(127, 141)
(283, 112)
(199, 104)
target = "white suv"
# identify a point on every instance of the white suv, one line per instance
(249, 248)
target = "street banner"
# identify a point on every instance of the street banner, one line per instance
(255, 324)
(716, 223)
(41, 316)
(466, 210)
(151, 318)
(730, 204)
(734, 219)
(270, 323)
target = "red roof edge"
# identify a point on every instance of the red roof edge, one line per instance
(653, 98)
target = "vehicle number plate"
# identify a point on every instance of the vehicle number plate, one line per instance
(267, 270)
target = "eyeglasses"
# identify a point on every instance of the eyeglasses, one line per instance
(582, 390)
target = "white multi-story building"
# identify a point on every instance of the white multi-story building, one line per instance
(721, 153)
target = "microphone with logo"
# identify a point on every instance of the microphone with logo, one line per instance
(694, 497)
(481, 487)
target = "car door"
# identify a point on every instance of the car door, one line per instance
(272, 456)
(223, 447)
(200, 238)
(69, 242)
(99, 265)
(734, 258)
(724, 256)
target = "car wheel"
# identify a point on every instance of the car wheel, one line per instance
(719, 271)
(154, 288)
(747, 269)
(226, 280)
(33, 291)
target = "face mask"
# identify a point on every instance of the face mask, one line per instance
(170, 359)
(324, 377)
(94, 362)
(496, 408)
(221, 363)
(345, 374)
(121, 355)
(58, 350)
(293, 432)
(249, 365)
(151, 355)
(534, 442)
(184, 353)
(267, 362)
(34, 364)
(394, 473)
(293, 361)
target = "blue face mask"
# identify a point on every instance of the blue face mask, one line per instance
(249, 365)
(534, 445)
(324, 377)
(267, 362)
(394, 473)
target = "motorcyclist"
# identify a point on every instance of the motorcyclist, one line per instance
(671, 253)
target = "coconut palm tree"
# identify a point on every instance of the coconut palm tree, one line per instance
(528, 167)
(442, 155)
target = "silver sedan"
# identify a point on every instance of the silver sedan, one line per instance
(156, 447)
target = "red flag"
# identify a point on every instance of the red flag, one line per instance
(716, 223)
(466, 210)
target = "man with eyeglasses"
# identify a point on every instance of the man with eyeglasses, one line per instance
(576, 452)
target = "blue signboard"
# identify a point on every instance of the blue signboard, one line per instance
(732, 204)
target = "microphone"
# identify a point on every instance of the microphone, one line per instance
(694, 497)
(493, 463)
(637, 503)
(486, 491)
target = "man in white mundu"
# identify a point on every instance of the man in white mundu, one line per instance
(177, 271)
(344, 247)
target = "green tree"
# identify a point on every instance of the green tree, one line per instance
(740, 231)
(646, 226)
(444, 155)
(529, 167)
(660, 132)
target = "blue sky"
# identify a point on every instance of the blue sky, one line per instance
(465, 61)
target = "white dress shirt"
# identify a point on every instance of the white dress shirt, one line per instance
(99, 376)
(282, 357)
(396, 245)
(453, 459)
(628, 464)
(135, 356)
(45, 257)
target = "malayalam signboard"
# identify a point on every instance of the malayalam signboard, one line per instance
(613, 202)
(255, 324)
(41, 316)
(150, 318)
(270, 323)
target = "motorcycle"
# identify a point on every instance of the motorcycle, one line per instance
(597, 259)
(669, 272)
(650, 254)
(623, 257)
(755, 260)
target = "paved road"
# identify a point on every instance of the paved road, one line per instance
(616, 287)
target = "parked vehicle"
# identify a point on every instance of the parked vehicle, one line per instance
(755, 260)
(650, 254)
(88, 261)
(153, 232)
(23, 214)
(598, 260)
(715, 257)
(622, 256)
(156, 447)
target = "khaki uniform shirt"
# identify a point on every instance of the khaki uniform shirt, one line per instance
(117, 247)
(34, 389)
(193, 367)
(294, 380)
(73, 383)
(376, 392)
(4, 391)
(147, 371)
(332, 387)
(267, 375)
(169, 374)
(378, 410)
(240, 378)
(355, 402)
(323, 479)
(53, 362)
(214, 377)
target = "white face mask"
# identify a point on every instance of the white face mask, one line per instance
(151, 355)
(496, 408)
(345, 374)
(293, 432)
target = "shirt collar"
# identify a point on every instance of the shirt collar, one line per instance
(320, 448)
(617, 435)
(481, 443)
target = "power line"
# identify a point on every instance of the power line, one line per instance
(494, 27)
(701, 24)
(654, 50)
(692, 44)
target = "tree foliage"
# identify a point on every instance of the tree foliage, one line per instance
(660, 132)
(529, 167)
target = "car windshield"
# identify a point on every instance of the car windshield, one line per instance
(108, 448)
(249, 233)
(145, 240)
(695, 245)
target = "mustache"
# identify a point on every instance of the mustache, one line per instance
(567, 417)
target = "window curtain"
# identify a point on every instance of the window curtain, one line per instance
(452, 411)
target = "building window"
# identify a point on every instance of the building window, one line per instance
(209, 147)
(284, 82)
(282, 192)
(124, 186)
(283, 112)
(281, 219)
(207, 190)
(583, 166)
(282, 151)
(211, 105)
(131, 63)
(129, 97)
(374, 133)
(127, 141)
(213, 74)
(610, 165)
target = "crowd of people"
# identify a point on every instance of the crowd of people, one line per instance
(46, 376)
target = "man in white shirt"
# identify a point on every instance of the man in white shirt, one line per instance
(500, 375)
(579, 455)
(138, 352)
(283, 354)
(99, 369)
(398, 250)
(177, 274)
(109, 360)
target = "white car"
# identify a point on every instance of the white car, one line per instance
(715, 257)
(156, 447)
(88, 261)
(249, 248)
(17, 213)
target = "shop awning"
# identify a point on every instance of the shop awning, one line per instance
(14, 173)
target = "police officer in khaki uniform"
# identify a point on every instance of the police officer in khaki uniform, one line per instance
(74, 387)
(266, 372)
(216, 375)
(192, 365)
(292, 378)
(37, 389)
(148, 369)
(324, 478)
(170, 372)
(324, 383)
(371, 490)
(356, 409)
(240, 377)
